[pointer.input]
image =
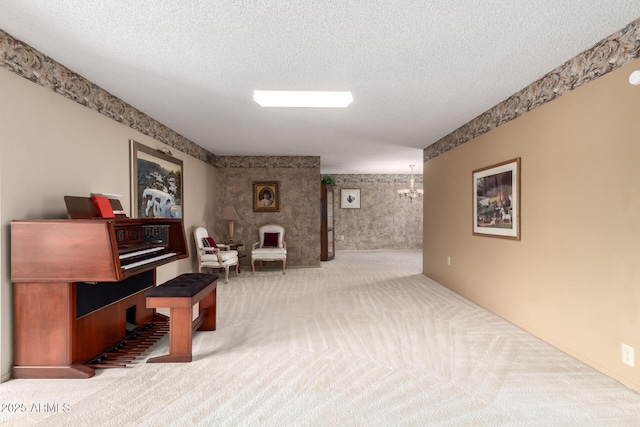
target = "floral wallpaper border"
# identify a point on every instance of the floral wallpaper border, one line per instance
(31, 64)
(608, 55)
(25, 61)
(371, 178)
(305, 162)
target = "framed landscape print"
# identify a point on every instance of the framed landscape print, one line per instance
(350, 198)
(266, 197)
(156, 183)
(496, 200)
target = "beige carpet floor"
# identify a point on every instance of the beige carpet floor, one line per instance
(364, 340)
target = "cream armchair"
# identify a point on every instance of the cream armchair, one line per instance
(271, 246)
(214, 257)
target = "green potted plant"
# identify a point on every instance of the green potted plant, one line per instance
(329, 180)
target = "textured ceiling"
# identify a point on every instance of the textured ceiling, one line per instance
(417, 69)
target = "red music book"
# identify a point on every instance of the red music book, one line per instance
(103, 206)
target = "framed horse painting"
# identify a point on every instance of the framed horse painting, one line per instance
(496, 200)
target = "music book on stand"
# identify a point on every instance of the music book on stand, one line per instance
(103, 206)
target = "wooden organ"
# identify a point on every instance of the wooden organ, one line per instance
(79, 284)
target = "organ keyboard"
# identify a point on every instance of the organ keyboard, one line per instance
(146, 261)
(138, 253)
(78, 282)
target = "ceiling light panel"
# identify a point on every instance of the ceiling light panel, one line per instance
(302, 99)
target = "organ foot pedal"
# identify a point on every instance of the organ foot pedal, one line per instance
(133, 346)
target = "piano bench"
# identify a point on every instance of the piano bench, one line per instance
(179, 295)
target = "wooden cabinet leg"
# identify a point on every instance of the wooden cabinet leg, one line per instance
(208, 303)
(180, 334)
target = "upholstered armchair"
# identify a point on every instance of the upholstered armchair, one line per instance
(270, 247)
(212, 255)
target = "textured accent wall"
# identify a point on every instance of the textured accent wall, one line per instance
(33, 65)
(384, 221)
(608, 55)
(299, 183)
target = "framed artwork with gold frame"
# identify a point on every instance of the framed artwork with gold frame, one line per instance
(266, 196)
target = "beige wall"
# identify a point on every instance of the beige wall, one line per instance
(52, 147)
(574, 278)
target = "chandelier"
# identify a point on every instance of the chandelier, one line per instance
(411, 193)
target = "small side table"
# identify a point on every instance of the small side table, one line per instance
(236, 246)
